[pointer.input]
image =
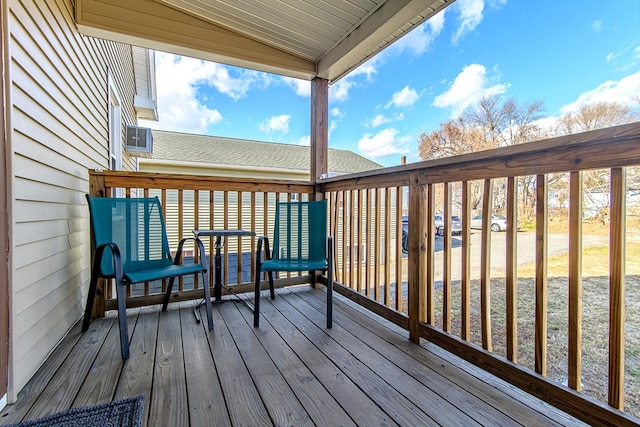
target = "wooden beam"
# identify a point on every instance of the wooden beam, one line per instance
(319, 128)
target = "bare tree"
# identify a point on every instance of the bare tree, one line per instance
(488, 124)
(591, 117)
(596, 116)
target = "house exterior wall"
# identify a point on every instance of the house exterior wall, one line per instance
(58, 110)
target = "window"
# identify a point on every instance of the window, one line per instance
(115, 130)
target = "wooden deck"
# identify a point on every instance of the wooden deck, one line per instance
(290, 371)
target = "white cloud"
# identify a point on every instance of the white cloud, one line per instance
(304, 140)
(300, 87)
(406, 97)
(339, 91)
(470, 12)
(418, 40)
(381, 119)
(177, 82)
(378, 120)
(335, 112)
(384, 143)
(276, 124)
(182, 83)
(626, 91)
(467, 88)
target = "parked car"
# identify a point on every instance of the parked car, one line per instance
(456, 225)
(405, 232)
(498, 223)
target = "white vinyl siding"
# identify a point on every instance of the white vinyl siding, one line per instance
(59, 130)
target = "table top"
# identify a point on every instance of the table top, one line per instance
(223, 233)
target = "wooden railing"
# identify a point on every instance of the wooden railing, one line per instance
(365, 220)
(369, 206)
(200, 202)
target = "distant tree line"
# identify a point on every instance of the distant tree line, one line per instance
(492, 123)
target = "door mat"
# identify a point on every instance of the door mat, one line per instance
(121, 413)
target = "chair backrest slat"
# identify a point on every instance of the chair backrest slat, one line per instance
(136, 225)
(300, 230)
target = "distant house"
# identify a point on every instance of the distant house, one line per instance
(190, 154)
(175, 152)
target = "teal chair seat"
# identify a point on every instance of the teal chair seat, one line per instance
(300, 243)
(131, 246)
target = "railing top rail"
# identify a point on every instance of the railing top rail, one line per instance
(603, 148)
(129, 179)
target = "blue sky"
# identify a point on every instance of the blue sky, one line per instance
(563, 52)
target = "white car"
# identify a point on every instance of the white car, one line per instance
(498, 223)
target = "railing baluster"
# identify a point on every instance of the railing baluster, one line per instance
(196, 222)
(511, 271)
(485, 265)
(541, 275)
(180, 223)
(419, 232)
(345, 248)
(376, 245)
(387, 246)
(367, 251)
(465, 259)
(352, 240)
(446, 267)
(616, 287)
(360, 251)
(431, 246)
(399, 207)
(575, 281)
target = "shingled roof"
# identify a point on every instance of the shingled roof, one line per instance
(215, 150)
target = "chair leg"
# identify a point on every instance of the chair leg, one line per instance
(89, 307)
(271, 289)
(122, 317)
(167, 294)
(256, 300)
(330, 284)
(207, 298)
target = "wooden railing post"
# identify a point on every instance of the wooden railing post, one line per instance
(418, 235)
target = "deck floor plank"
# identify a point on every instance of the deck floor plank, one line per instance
(169, 392)
(503, 396)
(403, 411)
(206, 399)
(137, 373)
(347, 394)
(406, 385)
(282, 404)
(291, 370)
(63, 388)
(241, 396)
(314, 397)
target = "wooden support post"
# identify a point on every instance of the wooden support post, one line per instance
(319, 140)
(575, 281)
(541, 276)
(512, 266)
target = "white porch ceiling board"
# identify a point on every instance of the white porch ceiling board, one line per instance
(305, 29)
(296, 38)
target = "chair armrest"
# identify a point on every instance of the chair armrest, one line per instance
(263, 241)
(117, 261)
(178, 258)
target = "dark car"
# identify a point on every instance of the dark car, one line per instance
(405, 233)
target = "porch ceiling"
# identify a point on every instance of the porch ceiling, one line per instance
(322, 38)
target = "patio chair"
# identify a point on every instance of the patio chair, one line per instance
(300, 243)
(131, 246)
